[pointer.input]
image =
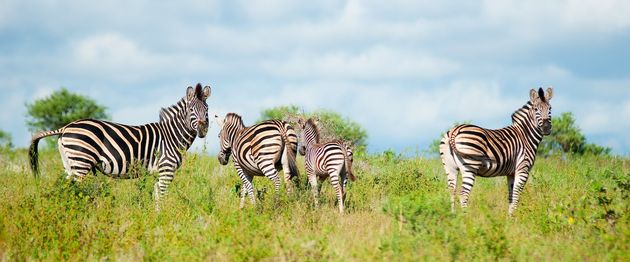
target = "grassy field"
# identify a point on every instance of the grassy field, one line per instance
(571, 209)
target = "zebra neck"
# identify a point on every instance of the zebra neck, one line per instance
(174, 121)
(234, 134)
(310, 139)
(524, 121)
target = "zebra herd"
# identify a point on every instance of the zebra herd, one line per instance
(263, 149)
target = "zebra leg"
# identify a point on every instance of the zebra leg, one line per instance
(165, 178)
(248, 186)
(344, 178)
(335, 181)
(519, 184)
(312, 179)
(286, 169)
(468, 181)
(510, 185)
(250, 189)
(268, 168)
(451, 169)
(451, 183)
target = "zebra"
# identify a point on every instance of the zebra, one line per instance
(258, 150)
(114, 149)
(322, 160)
(509, 151)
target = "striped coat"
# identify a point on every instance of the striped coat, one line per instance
(509, 151)
(258, 150)
(116, 149)
(332, 159)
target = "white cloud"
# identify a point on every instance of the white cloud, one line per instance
(399, 116)
(281, 10)
(375, 63)
(42, 92)
(553, 17)
(434, 62)
(607, 15)
(115, 56)
(109, 50)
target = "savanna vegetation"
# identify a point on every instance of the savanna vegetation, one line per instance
(575, 206)
(332, 124)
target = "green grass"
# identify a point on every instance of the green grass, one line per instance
(571, 209)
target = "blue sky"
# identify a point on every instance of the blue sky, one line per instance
(405, 70)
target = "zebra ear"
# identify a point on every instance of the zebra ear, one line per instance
(549, 93)
(533, 95)
(190, 93)
(206, 93)
(219, 121)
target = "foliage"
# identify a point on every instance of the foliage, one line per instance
(333, 123)
(398, 209)
(5, 140)
(566, 137)
(279, 112)
(61, 108)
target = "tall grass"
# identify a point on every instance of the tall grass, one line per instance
(571, 209)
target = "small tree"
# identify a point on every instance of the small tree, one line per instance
(333, 124)
(566, 137)
(61, 108)
(280, 112)
(5, 140)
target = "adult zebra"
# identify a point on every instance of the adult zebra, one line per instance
(259, 150)
(323, 160)
(87, 145)
(509, 151)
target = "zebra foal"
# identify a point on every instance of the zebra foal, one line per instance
(323, 160)
(509, 151)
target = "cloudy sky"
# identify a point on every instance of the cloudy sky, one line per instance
(405, 70)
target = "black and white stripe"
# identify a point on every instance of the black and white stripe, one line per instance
(114, 149)
(258, 150)
(332, 159)
(509, 151)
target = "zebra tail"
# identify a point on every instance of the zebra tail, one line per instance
(348, 164)
(291, 152)
(33, 152)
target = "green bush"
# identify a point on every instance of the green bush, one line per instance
(567, 138)
(338, 126)
(61, 108)
(398, 209)
(5, 140)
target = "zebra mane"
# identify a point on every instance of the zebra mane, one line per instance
(311, 123)
(168, 113)
(238, 118)
(541, 95)
(523, 111)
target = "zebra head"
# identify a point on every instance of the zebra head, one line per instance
(542, 109)
(198, 109)
(230, 125)
(309, 134)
